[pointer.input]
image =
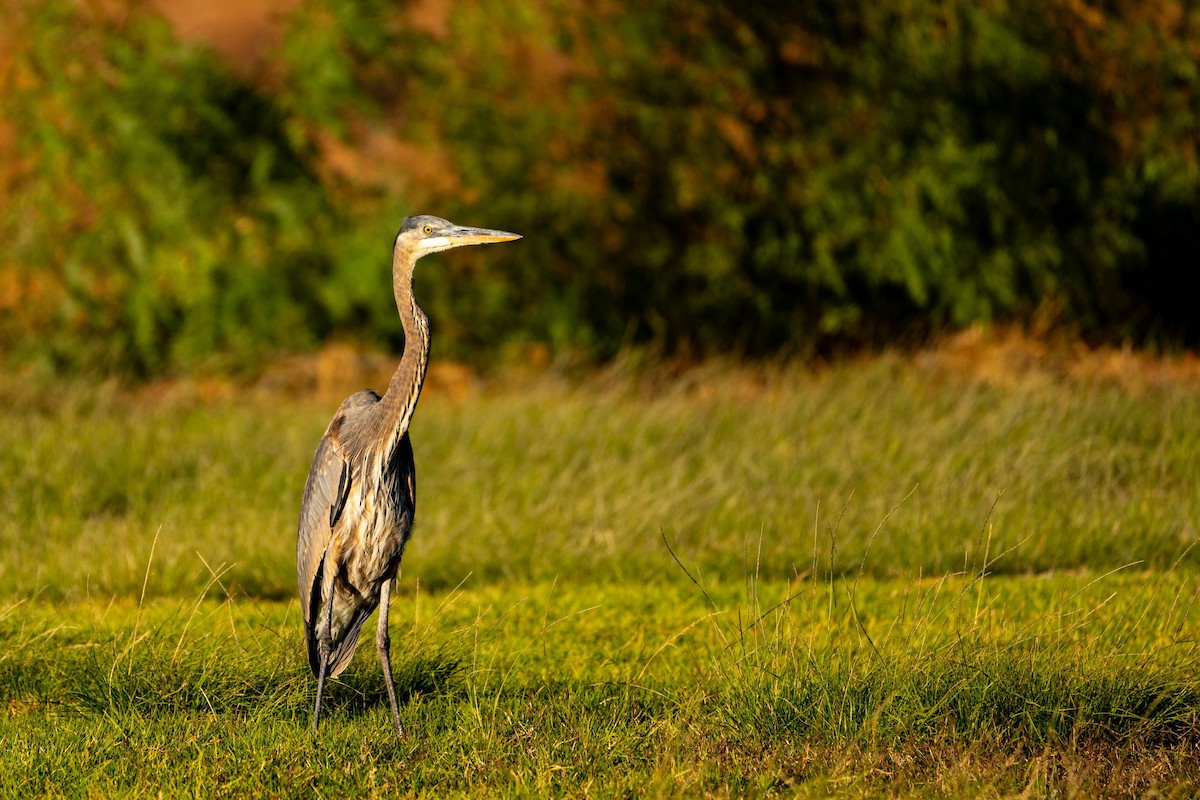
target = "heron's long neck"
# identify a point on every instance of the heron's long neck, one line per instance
(400, 400)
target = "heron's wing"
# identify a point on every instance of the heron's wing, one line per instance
(403, 473)
(325, 494)
(327, 598)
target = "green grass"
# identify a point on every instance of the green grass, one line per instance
(948, 687)
(551, 481)
(871, 579)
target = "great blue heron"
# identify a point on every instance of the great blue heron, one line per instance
(360, 496)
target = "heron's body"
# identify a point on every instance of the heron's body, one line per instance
(360, 497)
(371, 523)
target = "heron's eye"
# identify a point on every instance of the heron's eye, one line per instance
(428, 229)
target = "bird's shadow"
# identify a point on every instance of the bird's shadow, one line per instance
(361, 689)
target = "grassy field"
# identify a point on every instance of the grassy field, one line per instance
(878, 578)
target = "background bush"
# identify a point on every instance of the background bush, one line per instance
(703, 177)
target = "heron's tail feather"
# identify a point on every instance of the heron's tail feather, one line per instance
(347, 638)
(343, 650)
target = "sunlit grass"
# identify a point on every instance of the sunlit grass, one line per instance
(869, 579)
(553, 481)
(663, 687)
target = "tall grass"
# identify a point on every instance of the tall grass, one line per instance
(918, 472)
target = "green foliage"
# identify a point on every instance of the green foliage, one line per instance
(167, 216)
(690, 175)
(752, 180)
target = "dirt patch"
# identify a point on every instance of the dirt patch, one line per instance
(1008, 357)
(244, 32)
(339, 370)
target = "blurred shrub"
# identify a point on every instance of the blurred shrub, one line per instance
(704, 176)
(712, 177)
(155, 212)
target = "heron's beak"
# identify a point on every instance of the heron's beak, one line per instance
(460, 236)
(463, 235)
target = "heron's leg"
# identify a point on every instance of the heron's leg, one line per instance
(320, 686)
(383, 646)
(325, 650)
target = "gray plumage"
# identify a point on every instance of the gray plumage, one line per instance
(360, 498)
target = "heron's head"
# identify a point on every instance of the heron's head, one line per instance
(424, 234)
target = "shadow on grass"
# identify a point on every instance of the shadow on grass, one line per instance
(361, 690)
(162, 673)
